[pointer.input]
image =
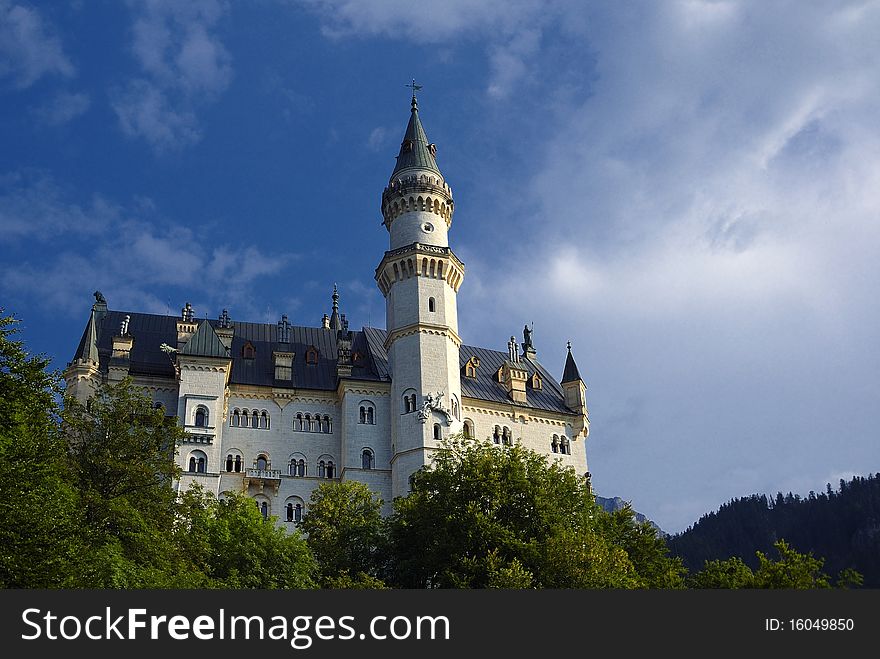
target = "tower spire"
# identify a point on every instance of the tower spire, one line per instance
(335, 321)
(415, 150)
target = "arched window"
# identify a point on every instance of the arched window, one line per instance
(328, 426)
(262, 462)
(237, 464)
(264, 420)
(554, 444)
(312, 355)
(297, 465)
(235, 421)
(564, 445)
(456, 408)
(496, 435)
(244, 419)
(367, 459)
(298, 421)
(308, 426)
(198, 462)
(431, 304)
(201, 417)
(409, 401)
(298, 512)
(505, 437)
(366, 413)
(438, 433)
(289, 512)
(469, 428)
(330, 472)
(264, 509)
(322, 469)
(229, 462)
(248, 351)
(255, 419)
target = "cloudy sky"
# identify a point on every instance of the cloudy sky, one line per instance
(688, 191)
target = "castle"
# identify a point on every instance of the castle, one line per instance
(274, 409)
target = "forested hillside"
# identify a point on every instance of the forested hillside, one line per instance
(842, 526)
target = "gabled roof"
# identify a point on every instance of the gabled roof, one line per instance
(414, 151)
(205, 343)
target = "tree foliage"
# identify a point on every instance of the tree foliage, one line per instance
(346, 534)
(38, 504)
(485, 516)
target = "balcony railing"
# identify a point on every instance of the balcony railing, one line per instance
(260, 478)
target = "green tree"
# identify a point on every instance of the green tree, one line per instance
(38, 538)
(346, 533)
(121, 458)
(731, 573)
(236, 548)
(486, 516)
(647, 551)
(792, 570)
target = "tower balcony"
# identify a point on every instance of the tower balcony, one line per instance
(419, 260)
(262, 478)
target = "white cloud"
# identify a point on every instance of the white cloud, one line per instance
(125, 251)
(28, 48)
(63, 108)
(184, 64)
(378, 138)
(144, 110)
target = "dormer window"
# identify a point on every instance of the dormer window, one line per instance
(537, 382)
(312, 355)
(248, 351)
(470, 367)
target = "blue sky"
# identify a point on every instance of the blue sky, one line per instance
(688, 191)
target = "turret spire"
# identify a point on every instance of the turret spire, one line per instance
(570, 373)
(335, 321)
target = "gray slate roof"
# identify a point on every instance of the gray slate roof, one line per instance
(151, 330)
(205, 343)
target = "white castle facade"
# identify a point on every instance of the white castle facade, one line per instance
(275, 409)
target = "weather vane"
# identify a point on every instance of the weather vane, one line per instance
(415, 88)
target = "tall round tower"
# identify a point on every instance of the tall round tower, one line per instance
(419, 277)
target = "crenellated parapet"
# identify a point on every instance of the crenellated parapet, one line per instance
(419, 260)
(419, 192)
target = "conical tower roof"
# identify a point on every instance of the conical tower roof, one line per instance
(415, 150)
(570, 372)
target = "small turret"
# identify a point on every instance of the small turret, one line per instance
(575, 393)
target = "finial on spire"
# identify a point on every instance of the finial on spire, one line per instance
(415, 88)
(335, 298)
(568, 345)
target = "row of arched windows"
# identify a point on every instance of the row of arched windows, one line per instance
(308, 423)
(296, 466)
(560, 445)
(293, 508)
(245, 419)
(502, 436)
